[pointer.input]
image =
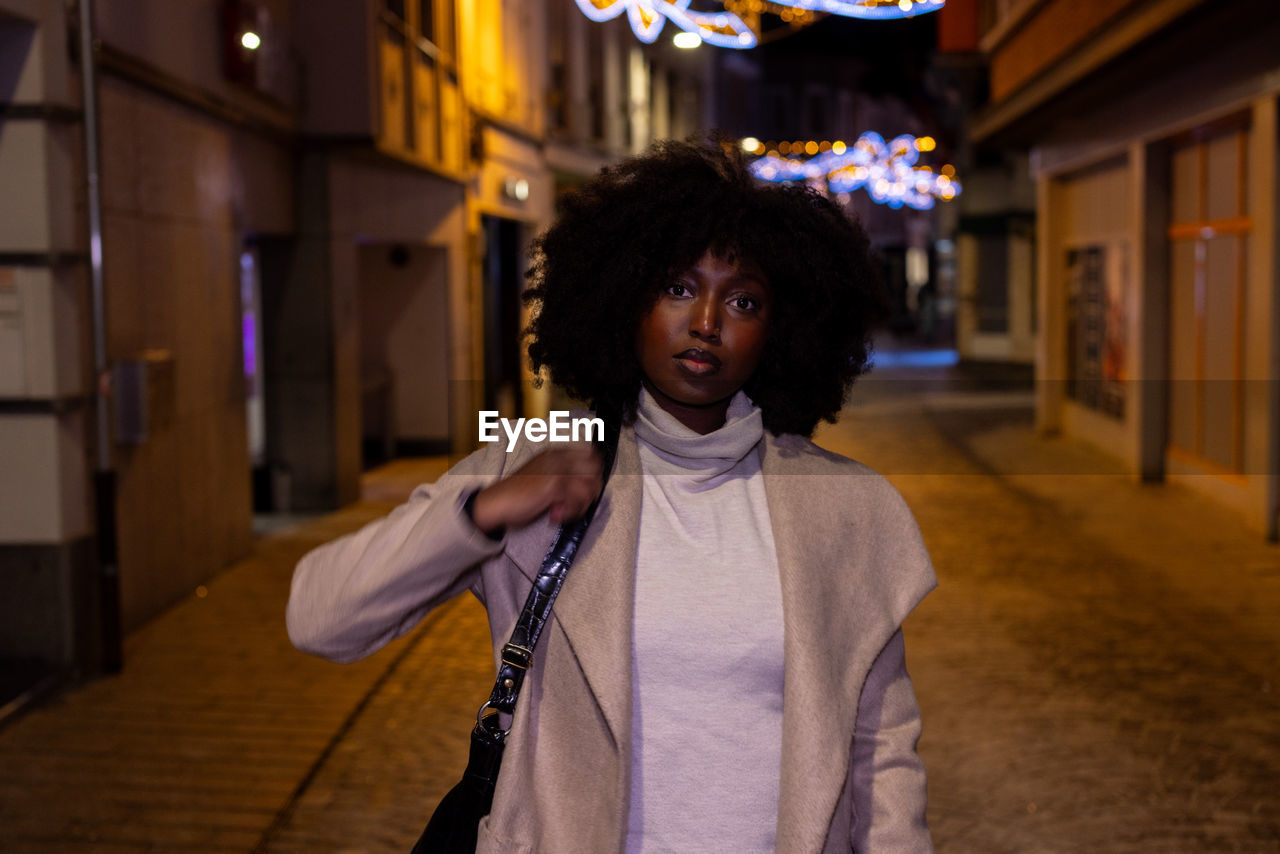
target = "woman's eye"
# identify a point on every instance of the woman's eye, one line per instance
(744, 303)
(677, 289)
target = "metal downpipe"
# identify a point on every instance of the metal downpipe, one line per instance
(104, 480)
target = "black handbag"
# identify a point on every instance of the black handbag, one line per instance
(453, 826)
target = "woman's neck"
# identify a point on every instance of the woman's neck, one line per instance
(668, 446)
(702, 419)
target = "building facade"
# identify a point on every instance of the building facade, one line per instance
(993, 251)
(1150, 128)
(311, 233)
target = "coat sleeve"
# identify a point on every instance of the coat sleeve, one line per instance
(355, 594)
(888, 776)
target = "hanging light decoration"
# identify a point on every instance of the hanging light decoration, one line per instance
(751, 10)
(728, 29)
(723, 29)
(866, 8)
(886, 170)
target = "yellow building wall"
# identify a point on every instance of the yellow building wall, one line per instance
(503, 59)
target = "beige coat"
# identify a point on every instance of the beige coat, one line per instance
(852, 567)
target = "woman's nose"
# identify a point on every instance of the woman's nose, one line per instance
(704, 321)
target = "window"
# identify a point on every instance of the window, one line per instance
(419, 80)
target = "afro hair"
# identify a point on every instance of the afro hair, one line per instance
(618, 239)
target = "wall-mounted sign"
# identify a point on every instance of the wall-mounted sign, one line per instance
(1097, 293)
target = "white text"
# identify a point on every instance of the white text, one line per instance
(559, 427)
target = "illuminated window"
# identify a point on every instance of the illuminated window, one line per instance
(419, 85)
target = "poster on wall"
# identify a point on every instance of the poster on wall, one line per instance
(1097, 294)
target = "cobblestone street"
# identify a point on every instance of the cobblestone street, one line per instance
(1099, 671)
(1097, 667)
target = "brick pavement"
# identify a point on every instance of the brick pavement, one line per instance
(196, 745)
(215, 722)
(1097, 673)
(1097, 668)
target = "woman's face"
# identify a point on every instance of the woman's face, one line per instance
(703, 339)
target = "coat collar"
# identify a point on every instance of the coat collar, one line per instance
(822, 682)
(597, 605)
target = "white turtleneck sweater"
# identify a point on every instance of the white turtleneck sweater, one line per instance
(706, 731)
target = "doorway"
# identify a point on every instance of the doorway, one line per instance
(503, 269)
(404, 351)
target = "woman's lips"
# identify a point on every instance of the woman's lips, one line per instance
(698, 363)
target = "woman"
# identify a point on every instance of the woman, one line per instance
(725, 668)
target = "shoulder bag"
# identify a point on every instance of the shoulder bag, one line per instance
(453, 826)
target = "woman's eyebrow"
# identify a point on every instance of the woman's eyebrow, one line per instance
(751, 279)
(739, 277)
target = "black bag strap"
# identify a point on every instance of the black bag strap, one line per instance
(517, 653)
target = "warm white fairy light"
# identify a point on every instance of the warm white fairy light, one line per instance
(886, 170)
(866, 8)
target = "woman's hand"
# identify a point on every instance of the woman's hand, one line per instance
(563, 482)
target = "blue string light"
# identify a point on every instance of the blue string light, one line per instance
(723, 29)
(886, 170)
